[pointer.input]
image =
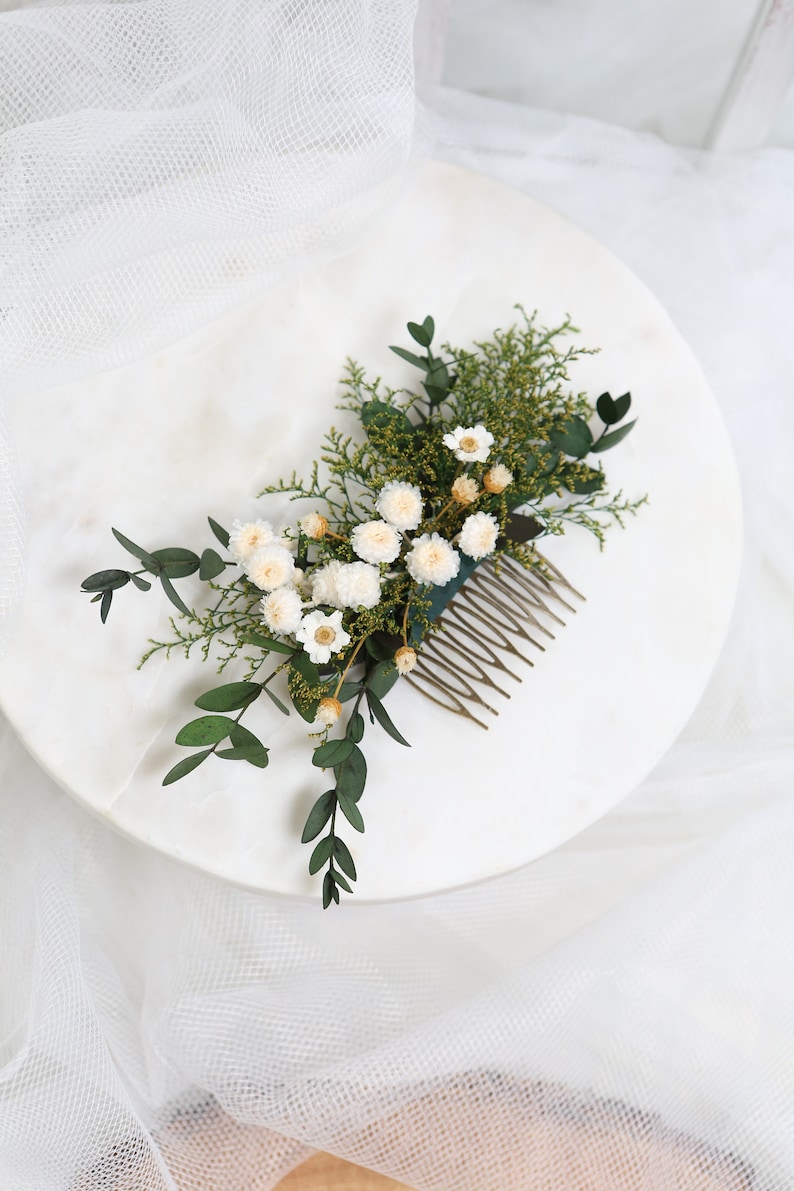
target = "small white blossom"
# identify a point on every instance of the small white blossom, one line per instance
(497, 478)
(405, 659)
(314, 525)
(400, 504)
(471, 444)
(432, 560)
(375, 541)
(282, 610)
(329, 711)
(270, 567)
(322, 635)
(465, 490)
(324, 590)
(248, 537)
(478, 535)
(358, 585)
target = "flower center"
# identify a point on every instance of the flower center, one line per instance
(324, 635)
(468, 443)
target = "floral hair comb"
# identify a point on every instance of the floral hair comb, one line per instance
(416, 559)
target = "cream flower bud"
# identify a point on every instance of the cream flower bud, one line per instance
(329, 711)
(432, 560)
(248, 537)
(497, 478)
(270, 567)
(314, 525)
(282, 610)
(465, 490)
(405, 659)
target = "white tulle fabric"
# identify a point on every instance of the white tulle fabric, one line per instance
(617, 1015)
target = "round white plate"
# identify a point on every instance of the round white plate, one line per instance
(201, 427)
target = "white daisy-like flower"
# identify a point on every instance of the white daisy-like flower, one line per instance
(248, 537)
(471, 444)
(358, 585)
(323, 581)
(478, 535)
(400, 504)
(465, 490)
(314, 525)
(405, 659)
(432, 560)
(375, 541)
(497, 478)
(329, 711)
(322, 635)
(270, 567)
(282, 610)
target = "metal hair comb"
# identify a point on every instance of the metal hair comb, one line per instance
(498, 608)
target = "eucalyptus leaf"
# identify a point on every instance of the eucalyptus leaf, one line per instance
(321, 854)
(350, 811)
(342, 881)
(174, 595)
(351, 775)
(418, 332)
(210, 565)
(573, 437)
(332, 753)
(105, 580)
(230, 697)
(136, 551)
(104, 607)
(429, 328)
(208, 729)
(417, 361)
(242, 738)
(614, 437)
(383, 718)
(438, 374)
(174, 561)
(607, 410)
(622, 406)
(348, 691)
(304, 666)
(275, 699)
(319, 815)
(220, 533)
(141, 583)
(436, 394)
(382, 678)
(521, 527)
(269, 644)
(329, 890)
(355, 727)
(252, 753)
(342, 856)
(186, 766)
(96, 597)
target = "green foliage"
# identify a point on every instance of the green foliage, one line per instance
(549, 437)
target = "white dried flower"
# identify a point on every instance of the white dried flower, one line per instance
(323, 582)
(497, 478)
(478, 535)
(248, 537)
(322, 635)
(358, 585)
(314, 525)
(400, 504)
(405, 659)
(329, 711)
(432, 560)
(270, 567)
(471, 444)
(465, 490)
(282, 610)
(375, 541)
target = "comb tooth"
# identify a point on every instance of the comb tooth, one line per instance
(490, 610)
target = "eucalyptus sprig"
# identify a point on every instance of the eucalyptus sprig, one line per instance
(492, 451)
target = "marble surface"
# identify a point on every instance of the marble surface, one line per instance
(200, 427)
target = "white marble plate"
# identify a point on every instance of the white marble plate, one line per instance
(201, 427)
